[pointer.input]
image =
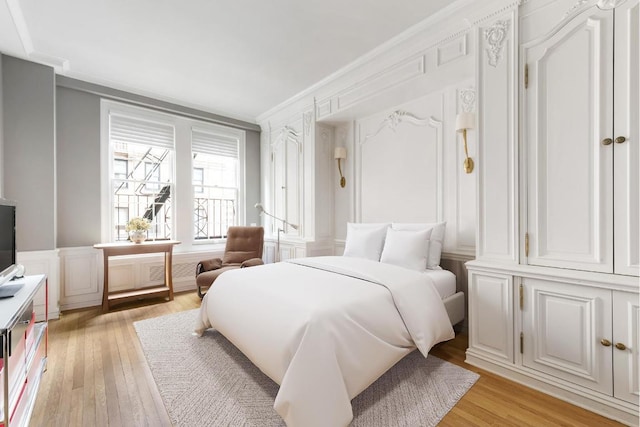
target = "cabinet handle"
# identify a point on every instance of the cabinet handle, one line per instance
(605, 342)
(621, 346)
(607, 141)
(620, 139)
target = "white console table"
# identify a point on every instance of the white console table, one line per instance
(23, 351)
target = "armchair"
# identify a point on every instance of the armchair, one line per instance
(243, 249)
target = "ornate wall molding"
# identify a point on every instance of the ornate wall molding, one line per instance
(495, 36)
(467, 99)
(286, 134)
(306, 122)
(609, 4)
(394, 119)
(575, 7)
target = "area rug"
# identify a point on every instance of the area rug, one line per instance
(208, 382)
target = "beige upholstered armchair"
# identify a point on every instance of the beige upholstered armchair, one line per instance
(243, 249)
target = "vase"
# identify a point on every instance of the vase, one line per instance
(137, 236)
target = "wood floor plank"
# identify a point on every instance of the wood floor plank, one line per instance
(97, 376)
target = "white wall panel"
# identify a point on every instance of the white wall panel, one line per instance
(400, 163)
(497, 140)
(44, 262)
(408, 167)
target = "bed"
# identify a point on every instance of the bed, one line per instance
(325, 328)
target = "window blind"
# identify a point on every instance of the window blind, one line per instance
(127, 129)
(216, 144)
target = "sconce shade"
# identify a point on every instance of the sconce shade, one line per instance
(340, 153)
(465, 121)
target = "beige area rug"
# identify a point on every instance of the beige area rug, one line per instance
(208, 382)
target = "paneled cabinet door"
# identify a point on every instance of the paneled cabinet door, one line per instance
(491, 315)
(568, 114)
(286, 178)
(626, 338)
(563, 329)
(627, 139)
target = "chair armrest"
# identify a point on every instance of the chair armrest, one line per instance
(252, 262)
(208, 265)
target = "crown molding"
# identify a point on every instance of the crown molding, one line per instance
(450, 23)
(393, 43)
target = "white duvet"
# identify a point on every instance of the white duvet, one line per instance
(325, 328)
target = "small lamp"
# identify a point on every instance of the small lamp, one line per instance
(466, 121)
(340, 153)
(294, 226)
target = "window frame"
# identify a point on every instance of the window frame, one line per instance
(183, 197)
(201, 183)
(225, 132)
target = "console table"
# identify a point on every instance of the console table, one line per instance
(128, 248)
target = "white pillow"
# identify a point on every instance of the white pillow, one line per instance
(365, 240)
(407, 248)
(435, 241)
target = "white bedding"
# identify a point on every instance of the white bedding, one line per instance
(325, 328)
(444, 281)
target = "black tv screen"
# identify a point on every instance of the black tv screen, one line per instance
(7, 235)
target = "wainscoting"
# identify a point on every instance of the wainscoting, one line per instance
(81, 274)
(44, 262)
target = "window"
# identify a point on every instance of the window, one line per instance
(191, 194)
(198, 180)
(120, 171)
(152, 176)
(148, 147)
(216, 197)
(122, 217)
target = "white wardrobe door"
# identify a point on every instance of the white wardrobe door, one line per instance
(491, 315)
(626, 331)
(568, 112)
(563, 326)
(627, 153)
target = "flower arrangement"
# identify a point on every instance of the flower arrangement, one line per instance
(138, 224)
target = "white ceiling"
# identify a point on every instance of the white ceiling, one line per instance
(237, 58)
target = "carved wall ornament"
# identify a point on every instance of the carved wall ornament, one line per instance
(306, 122)
(467, 99)
(609, 4)
(575, 7)
(394, 119)
(287, 133)
(495, 37)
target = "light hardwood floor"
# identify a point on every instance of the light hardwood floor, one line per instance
(98, 376)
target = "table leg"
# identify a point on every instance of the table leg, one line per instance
(168, 272)
(105, 288)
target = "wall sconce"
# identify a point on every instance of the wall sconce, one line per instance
(340, 153)
(280, 229)
(466, 121)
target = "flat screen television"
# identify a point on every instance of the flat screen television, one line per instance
(8, 266)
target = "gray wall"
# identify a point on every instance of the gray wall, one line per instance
(252, 176)
(29, 173)
(78, 160)
(78, 163)
(50, 153)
